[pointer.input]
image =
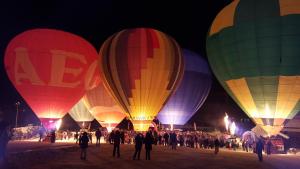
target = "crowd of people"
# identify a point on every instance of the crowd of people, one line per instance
(172, 139)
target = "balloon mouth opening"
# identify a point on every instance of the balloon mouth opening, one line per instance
(84, 124)
(142, 125)
(51, 123)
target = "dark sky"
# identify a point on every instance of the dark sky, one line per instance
(185, 20)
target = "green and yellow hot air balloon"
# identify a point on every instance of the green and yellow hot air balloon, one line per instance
(253, 48)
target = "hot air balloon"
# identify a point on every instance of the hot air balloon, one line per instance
(253, 49)
(191, 93)
(81, 114)
(141, 68)
(51, 70)
(103, 107)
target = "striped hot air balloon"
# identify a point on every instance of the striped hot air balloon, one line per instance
(141, 68)
(253, 49)
(191, 93)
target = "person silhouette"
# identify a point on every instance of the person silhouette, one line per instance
(138, 145)
(83, 143)
(148, 144)
(117, 139)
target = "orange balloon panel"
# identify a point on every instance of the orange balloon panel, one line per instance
(141, 68)
(103, 107)
(51, 69)
(109, 119)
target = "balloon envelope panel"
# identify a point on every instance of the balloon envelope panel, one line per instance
(191, 93)
(80, 113)
(103, 107)
(141, 68)
(253, 49)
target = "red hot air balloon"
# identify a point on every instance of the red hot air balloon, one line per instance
(51, 69)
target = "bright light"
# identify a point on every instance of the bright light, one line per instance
(58, 124)
(232, 128)
(109, 128)
(172, 127)
(226, 121)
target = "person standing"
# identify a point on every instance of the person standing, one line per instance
(138, 145)
(52, 136)
(173, 140)
(117, 140)
(166, 139)
(90, 135)
(259, 149)
(98, 137)
(122, 136)
(148, 144)
(83, 143)
(41, 133)
(111, 137)
(76, 137)
(159, 139)
(217, 146)
(269, 147)
(4, 138)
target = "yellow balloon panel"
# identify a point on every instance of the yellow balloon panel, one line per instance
(271, 115)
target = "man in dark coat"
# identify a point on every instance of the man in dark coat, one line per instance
(76, 137)
(83, 143)
(117, 139)
(111, 137)
(166, 138)
(52, 136)
(269, 147)
(148, 144)
(259, 149)
(98, 137)
(173, 140)
(122, 137)
(138, 145)
(217, 145)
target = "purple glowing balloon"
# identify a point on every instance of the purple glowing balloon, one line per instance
(192, 91)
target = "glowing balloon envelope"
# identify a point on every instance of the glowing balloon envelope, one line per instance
(81, 114)
(141, 68)
(103, 107)
(253, 49)
(51, 70)
(191, 93)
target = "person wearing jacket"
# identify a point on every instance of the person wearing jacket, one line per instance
(83, 143)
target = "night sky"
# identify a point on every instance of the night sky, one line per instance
(186, 21)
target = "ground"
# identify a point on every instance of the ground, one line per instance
(66, 156)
